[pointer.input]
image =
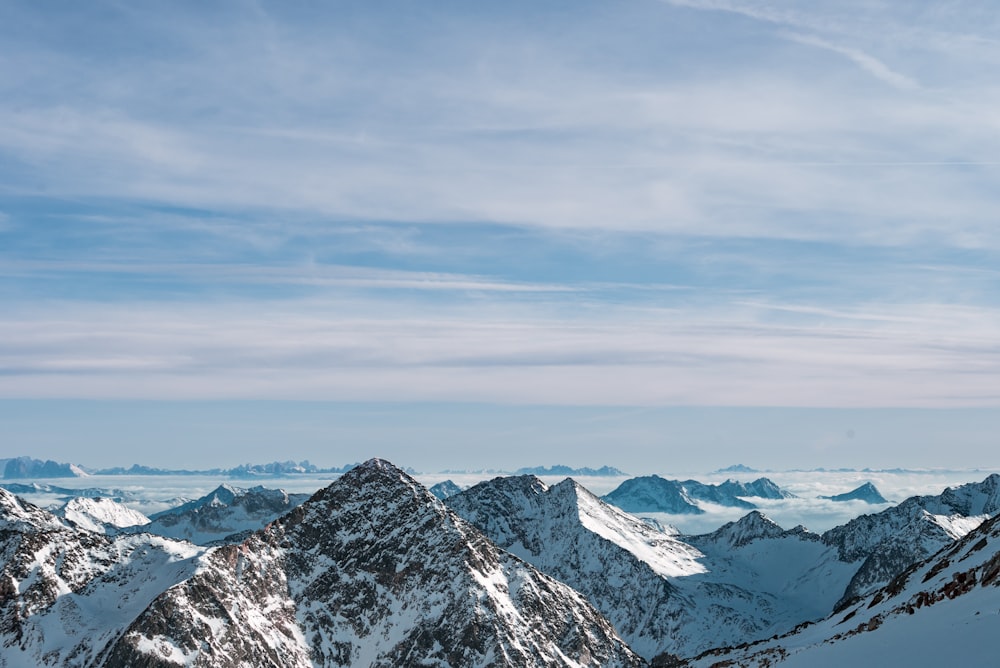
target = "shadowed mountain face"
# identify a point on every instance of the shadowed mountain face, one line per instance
(866, 492)
(653, 494)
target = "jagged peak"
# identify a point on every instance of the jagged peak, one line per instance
(753, 526)
(380, 474)
(757, 518)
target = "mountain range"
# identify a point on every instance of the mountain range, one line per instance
(374, 570)
(654, 494)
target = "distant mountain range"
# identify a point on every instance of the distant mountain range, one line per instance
(653, 494)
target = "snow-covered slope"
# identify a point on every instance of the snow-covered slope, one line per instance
(940, 612)
(101, 515)
(224, 512)
(663, 595)
(886, 543)
(65, 593)
(371, 571)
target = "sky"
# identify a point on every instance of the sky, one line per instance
(465, 235)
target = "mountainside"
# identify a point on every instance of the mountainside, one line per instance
(66, 593)
(371, 571)
(100, 514)
(662, 594)
(866, 492)
(939, 612)
(225, 511)
(890, 541)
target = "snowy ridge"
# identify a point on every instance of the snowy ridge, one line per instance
(100, 515)
(886, 543)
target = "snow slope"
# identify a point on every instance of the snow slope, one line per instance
(101, 515)
(943, 611)
(662, 594)
(65, 593)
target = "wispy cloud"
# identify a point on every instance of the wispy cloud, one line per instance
(389, 350)
(865, 61)
(584, 207)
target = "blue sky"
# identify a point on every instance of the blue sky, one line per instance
(401, 212)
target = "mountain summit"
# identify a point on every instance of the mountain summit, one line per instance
(371, 571)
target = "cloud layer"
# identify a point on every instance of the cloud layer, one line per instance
(690, 202)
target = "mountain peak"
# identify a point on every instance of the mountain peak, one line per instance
(866, 492)
(753, 526)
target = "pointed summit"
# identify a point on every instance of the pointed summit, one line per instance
(374, 570)
(866, 492)
(753, 526)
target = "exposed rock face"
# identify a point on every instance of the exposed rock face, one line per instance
(371, 571)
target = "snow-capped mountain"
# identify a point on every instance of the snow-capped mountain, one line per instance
(664, 596)
(444, 489)
(371, 571)
(618, 561)
(224, 512)
(65, 593)
(939, 612)
(653, 494)
(866, 492)
(100, 514)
